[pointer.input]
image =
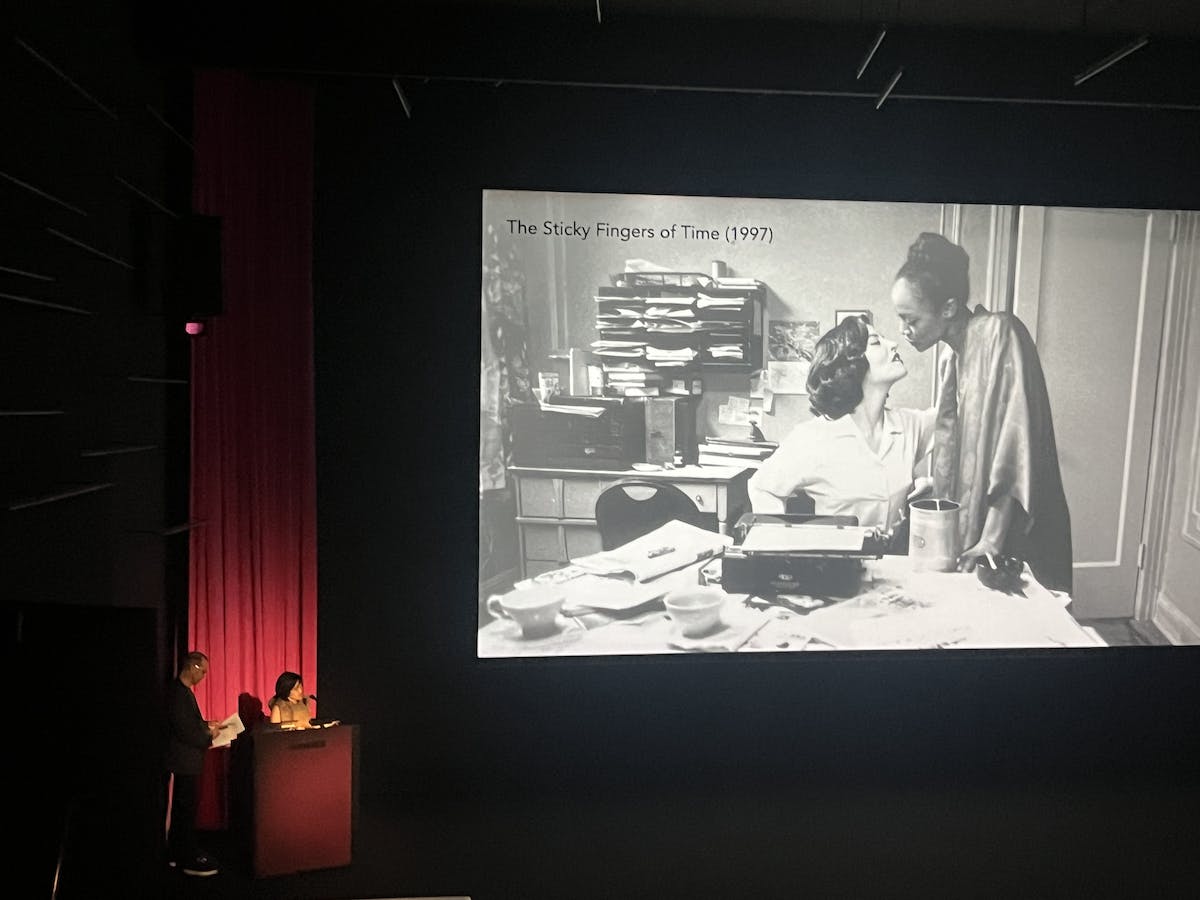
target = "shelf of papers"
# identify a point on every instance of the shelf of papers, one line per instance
(661, 339)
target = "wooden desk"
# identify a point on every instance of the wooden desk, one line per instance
(556, 508)
(896, 609)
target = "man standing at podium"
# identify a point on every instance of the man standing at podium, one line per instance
(189, 736)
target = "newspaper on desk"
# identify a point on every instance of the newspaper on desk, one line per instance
(584, 591)
(613, 594)
(665, 549)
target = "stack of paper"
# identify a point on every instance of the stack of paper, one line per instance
(667, 548)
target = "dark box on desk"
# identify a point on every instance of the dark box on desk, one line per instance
(670, 430)
(560, 439)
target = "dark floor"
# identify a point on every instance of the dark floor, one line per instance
(1123, 633)
(1131, 840)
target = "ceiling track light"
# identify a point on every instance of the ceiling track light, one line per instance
(1112, 59)
(871, 53)
(888, 90)
(402, 98)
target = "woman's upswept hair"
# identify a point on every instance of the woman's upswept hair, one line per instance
(938, 268)
(835, 377)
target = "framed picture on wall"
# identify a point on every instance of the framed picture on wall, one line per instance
(842, 314)
(790, 346)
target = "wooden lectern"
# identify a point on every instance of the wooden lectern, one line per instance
(304, 797)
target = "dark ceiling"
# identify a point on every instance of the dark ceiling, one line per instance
(1025, 51)
(1176, 18)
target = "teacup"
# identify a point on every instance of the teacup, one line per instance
(697, 610)
(534, 609)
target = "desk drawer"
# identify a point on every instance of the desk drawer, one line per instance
(540, 497)
(703, 495)
(579, 496)
(542, 542)
(581, 541)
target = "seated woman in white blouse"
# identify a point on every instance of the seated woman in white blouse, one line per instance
(856, 456)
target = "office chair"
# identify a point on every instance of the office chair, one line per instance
(629, 509)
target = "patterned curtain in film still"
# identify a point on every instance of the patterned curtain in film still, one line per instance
(503, 381)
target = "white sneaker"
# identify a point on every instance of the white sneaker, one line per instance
(202, 866)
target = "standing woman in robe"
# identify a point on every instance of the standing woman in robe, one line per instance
(994, 450)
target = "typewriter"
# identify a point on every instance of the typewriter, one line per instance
(821, 556)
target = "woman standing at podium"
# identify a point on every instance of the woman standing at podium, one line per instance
(290, 705)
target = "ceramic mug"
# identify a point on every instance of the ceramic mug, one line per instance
(534, 609)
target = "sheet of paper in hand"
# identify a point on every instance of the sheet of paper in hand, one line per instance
(665, 549)
(230, 729)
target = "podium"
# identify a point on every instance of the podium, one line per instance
(303, 798)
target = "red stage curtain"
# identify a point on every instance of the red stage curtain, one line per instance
(253, 566)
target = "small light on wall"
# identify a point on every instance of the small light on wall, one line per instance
(194, 328)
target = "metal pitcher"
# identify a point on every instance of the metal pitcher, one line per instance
(933, 540)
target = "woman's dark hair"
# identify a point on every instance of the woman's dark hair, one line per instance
(938, 268)
(835, 377)
(284, 684)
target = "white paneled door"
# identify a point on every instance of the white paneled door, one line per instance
(1091, 284)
